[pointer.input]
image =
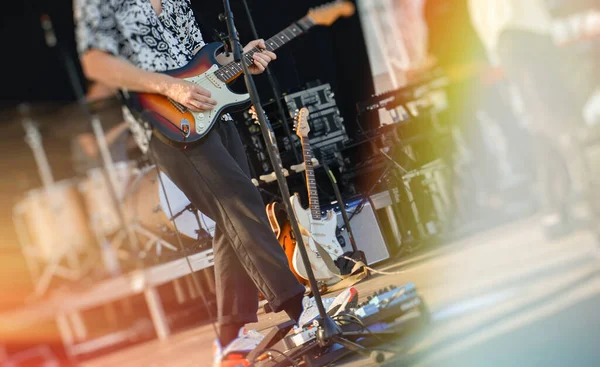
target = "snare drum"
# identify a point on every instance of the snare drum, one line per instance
(146, 205)
(103, 215)
(55, 223)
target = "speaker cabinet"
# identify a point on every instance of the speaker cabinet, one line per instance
(367, 232)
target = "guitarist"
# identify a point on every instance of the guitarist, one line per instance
(124, 44)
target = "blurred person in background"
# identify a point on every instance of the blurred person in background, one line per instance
(478, 104)
(517, 36)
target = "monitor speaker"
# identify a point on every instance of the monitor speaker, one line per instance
(367, 232)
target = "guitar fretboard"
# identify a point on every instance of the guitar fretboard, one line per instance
(311, 183)
(229, 72)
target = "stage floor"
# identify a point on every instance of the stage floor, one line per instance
(504, 297)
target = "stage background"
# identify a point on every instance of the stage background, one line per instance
(32, 72)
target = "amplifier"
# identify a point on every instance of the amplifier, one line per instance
(367, 232)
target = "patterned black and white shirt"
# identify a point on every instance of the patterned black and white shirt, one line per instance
(131, 29)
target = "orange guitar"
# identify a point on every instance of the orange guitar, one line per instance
(285, 235)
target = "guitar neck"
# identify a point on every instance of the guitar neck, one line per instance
(227, 73)
(311, 183)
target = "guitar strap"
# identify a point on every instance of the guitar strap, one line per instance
(327, 259)
(358, 273)
(322, 252)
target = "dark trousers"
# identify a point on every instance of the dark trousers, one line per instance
(214, 174)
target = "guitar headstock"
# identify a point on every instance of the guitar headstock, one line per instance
(253, 114)
(326, 14)
(301, 122)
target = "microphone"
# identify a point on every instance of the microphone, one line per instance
(48, 30)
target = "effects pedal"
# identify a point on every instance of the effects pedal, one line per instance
(389, 304)
(300, 336)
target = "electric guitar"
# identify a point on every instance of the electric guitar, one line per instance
(177, 123)
(315, 229)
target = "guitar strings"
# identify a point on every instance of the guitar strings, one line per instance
(204, 81)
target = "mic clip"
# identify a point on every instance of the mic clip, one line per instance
(224, 39)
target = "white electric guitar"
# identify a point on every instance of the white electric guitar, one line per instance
(314, 228)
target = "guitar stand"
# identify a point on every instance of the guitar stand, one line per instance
(340, 200)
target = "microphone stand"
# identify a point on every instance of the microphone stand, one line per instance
(328, 331)
(328, 328)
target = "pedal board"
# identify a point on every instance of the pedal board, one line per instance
(389, 304)
(387, 312)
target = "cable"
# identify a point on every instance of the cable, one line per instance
(270, 350)
(203, 217)
(353, 319)
(357, 321)
(380, 272)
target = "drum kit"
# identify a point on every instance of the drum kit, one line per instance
(66, 227)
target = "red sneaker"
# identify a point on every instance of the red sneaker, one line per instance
(234, 355)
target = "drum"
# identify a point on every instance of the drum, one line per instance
(103, 215)
(56, 222)
(146, 205)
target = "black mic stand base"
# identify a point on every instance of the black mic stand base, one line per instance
(351, 339)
